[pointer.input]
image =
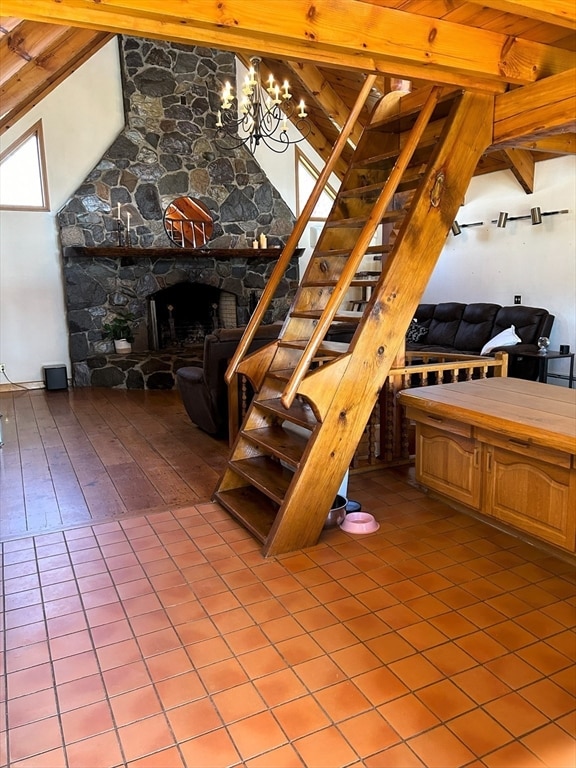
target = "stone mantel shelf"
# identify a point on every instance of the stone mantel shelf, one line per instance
(118, 252)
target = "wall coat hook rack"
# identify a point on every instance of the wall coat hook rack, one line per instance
(457, 228)
(535, 216)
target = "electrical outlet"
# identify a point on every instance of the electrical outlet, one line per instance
(517, 299)
(1, 367)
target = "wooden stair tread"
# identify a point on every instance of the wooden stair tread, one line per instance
(384, 248)
(327, 348)
(280, 442)
(360, 221)
(343, 315)
(269, 476)
(252, 508)
(364, 190)
(299, 413)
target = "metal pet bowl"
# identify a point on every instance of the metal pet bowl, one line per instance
(337, 512)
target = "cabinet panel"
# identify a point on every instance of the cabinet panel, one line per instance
(532, 495)
(449, 464)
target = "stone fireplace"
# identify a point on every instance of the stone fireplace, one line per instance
(167, 149)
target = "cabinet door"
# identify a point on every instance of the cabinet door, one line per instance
(448, 463)
(532, 495)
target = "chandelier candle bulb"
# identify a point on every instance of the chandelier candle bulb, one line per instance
(302, 108)
(286, 89)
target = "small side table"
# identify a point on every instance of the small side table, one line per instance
(551, 354)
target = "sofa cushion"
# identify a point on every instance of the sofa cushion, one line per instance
(475, 328)
(444, 324)
(529, 322)
(416, 333)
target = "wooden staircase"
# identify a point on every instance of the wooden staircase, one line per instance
(315, 396)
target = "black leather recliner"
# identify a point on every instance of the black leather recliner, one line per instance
(203, 389)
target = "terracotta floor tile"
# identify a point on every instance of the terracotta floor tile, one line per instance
(108, 634)
(238, 702)
(22, 616)
(342, 700)
(378, 599)
(80, 693)
(511, 635)
(100, 751)
(34, 738)
(222, 675)
(155, 621)
(445, 700)
(480, 646)
(544, 658)
(390, 647)
(28, 597)
(299, 649)
(74, 667)
(332, 638)
(168, 664)
(256, 734)
(266, 610)
(565, 642)
(380, 685)
(135, 705)
(55, 758)
(480, 684)
(368, 733)
(118, 654)
(539, 623)
(246, 639)
(347, 608)
(29, 680)
(208, 651)
(439, 748)
(262, 661)
(480, 732)
(398, 756)
(316, 618)
(455, 597)
(84, 722)
(126, 678)
(166, 758)
(552, 745)
(27, 656)
(549, 698)
(566, 679)
(408, 716)
(568, 723)
(280, 687)
(160, 641)
(514, 754)
(282, 757)
(180, 690)
(300, 717)
(513, 671)
(422, 636)
(281, 629)
(33, 706)
(453, 625)
(415, 672)
(211, 750)
(314, 748)
(26, 635)
(398, 616)
(515, 714)
(319, 673)
(233, 620)
(328, 592)
(196, 631)
(145, 736)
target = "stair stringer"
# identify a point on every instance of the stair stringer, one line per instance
(351, 398)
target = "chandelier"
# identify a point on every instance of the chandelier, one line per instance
(264, 111)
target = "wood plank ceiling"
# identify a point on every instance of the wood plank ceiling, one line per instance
(519, 50)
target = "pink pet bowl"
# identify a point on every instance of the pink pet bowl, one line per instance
(359, 522)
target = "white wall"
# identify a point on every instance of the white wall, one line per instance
(537, 262)
(84, 114)
(80, 118)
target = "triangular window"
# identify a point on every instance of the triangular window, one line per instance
(23, 173)
(306, 177)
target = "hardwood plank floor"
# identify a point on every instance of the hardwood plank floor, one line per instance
(85, 455)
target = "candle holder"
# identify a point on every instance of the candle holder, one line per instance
(120, 230)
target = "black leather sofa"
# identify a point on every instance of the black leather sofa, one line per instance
(203, 389)
(466, 328)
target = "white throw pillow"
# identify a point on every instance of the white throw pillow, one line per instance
(505, 338)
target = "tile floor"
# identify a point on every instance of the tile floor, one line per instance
(166, 640)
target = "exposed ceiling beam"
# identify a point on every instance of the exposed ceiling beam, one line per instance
(559, 12)
(546, 107)
(521, 164)
(325, 96)
(40, 76)
(380, 40)
(562, 144)
(25, 43)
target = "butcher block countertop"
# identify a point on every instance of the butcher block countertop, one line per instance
(527, 410)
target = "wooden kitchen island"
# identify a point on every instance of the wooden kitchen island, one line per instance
(503, 447)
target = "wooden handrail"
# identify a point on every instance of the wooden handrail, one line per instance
(292, 243)
(353, 262)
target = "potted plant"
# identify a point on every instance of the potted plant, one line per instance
(119, 329)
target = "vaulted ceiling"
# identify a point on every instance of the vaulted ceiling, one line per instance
(522, 51)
